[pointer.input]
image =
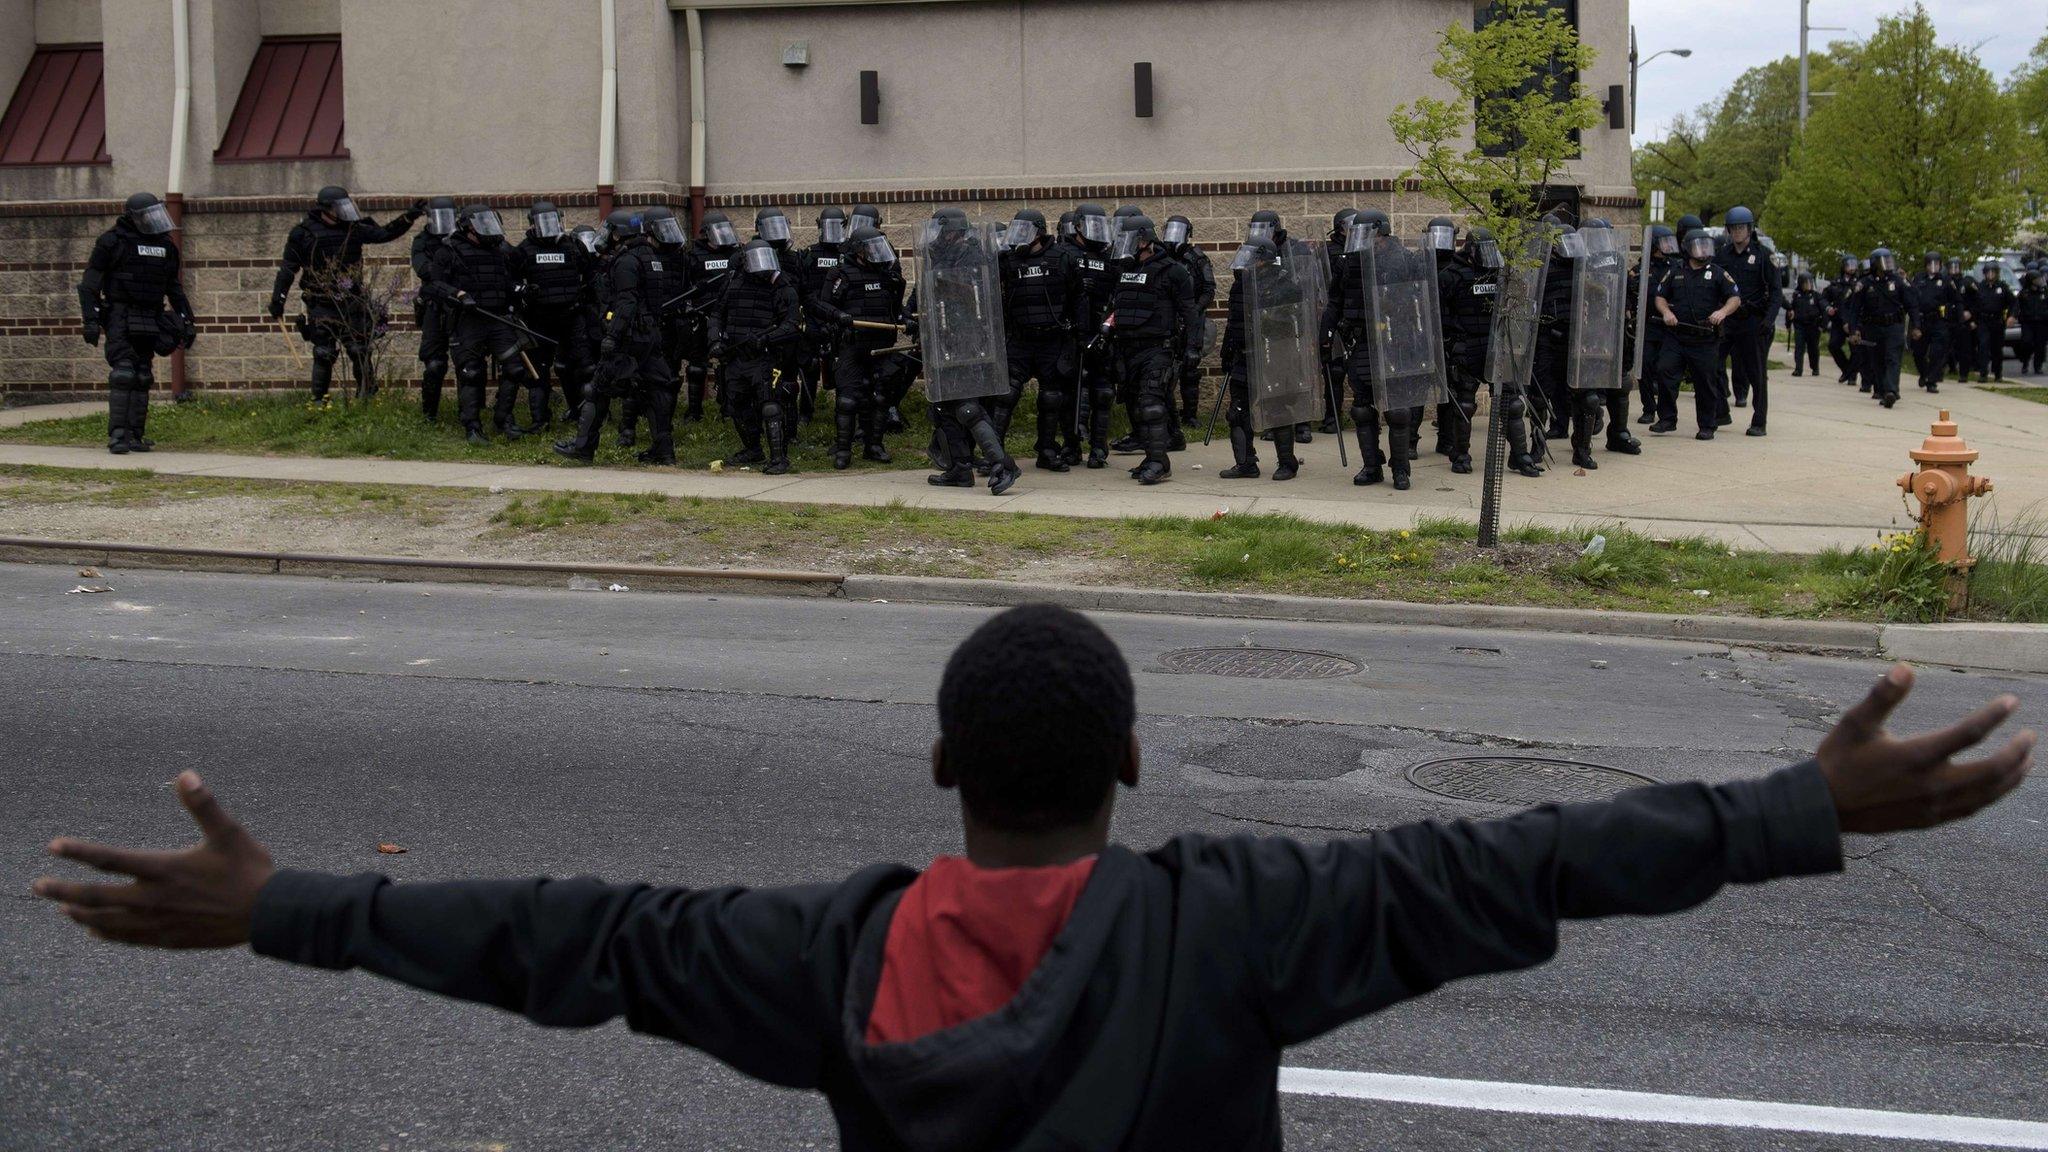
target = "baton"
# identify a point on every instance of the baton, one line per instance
(1209, 432)
(878, 325)
(891, 348)
(1337, 342)
(298, 354)
(506, 321)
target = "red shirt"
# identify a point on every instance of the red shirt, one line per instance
(964, 939)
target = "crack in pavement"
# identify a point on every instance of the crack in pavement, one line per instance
(2015, 950)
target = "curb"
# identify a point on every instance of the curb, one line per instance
(1829, 636)
(1996, 647)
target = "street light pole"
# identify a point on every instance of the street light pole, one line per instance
(1806, 93)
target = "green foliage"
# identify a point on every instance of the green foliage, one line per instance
(1901, 578)
(2010, 580)
(1494, 147)
(1916, 150)
(2028, 90)
(1732, 151)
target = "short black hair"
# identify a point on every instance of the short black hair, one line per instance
(1035, 711)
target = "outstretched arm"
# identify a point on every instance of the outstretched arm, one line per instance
(1352, 926)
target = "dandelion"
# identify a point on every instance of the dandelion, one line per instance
(1404, 533)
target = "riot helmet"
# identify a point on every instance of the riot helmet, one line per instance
(623, 224)
(1662, 241)
(1093, 227)
(1340, 224)
(1805, 281)
(660, 222)
(1264, 223)
(1570, 244)
(832, 226)
(1137, 231)
(1850, 266)
(1882, 260)
(1955, 265)
(1442, 234)
(1176, 233)
(760, 259)
(1932, 262)
(717, 231)
(587, 236)
(1254, 251)
(771, 225)
(1027, 227)
(1992, 271)
(1699, 245)
(863, 216)
(147, 214)
(1741, 224)
(872, 248)
(1688, 222)
(1066, 224)
(482, 220)
(441, 213)
(545, 219)
(1481, 248)
(1122, 214)
(334, 200)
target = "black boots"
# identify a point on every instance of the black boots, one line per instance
(1246, 456)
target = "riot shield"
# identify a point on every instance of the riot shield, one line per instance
(960, 321)
(1283, 377)
(1407, 329)
(1599, 311)
(1643, 317)
(1517, 312)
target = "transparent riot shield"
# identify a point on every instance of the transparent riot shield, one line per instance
(1643, 317)
(1511, 355)
(960, 312)
(1407, 329)
(1599, 311)
(1283, 376)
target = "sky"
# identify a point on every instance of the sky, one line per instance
(1729, 37)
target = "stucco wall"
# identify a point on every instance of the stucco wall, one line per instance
(307, 17)
(17, 42)
(67, 21)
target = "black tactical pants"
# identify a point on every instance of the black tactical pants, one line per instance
(1749, 343)
(338, 325)
(1695, 361)
(479, 343)
(562, 364)
(761, 399)
(1806, 349)
(1149, 370)
(1962, 348)
(1365, 410)
(1991, 347)
(1887, 349)
(1844, 355)
(2035, 334)
(864, 383)
(1048, 357)
(129, 339)
(432, 320)
(1933, 354)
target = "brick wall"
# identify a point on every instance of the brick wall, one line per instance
(231, 248)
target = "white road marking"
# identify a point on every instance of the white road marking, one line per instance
(1660, 1108)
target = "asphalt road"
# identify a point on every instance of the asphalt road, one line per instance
(696, 739)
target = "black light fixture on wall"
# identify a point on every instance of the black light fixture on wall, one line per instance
(871, 97)
(1141, 86)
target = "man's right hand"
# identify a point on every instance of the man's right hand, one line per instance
(1885, 784)
(277, 307)
(1670, 321)
(92, 333)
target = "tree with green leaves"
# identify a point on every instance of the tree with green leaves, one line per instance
(1493, 150)
(1916, 150)
(2028, 89)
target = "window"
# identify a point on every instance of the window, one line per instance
(290, 107)
(59, 113)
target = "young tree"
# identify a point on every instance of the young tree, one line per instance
(1916, 150)
(2029, 91)
(1509, 130)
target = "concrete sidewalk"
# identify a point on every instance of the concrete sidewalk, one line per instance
(1824, 476)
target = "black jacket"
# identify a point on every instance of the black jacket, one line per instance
(330, 255)
(1157, 1018)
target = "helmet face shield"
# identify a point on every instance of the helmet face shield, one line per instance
(1260, 230)
(1094, 228)
(666, 230)
(441, 221)
(720, 234)
(1667, 245)
(878, 251)
(486, 223)
(1573, 246)
(1125, 246)
(1358, 237)
(1443, 237)
(344, 210)
(154, 220)
(547, 225)
(1246, 255)
(1489, 253)
(831, 231)
(1175, 232)
(773, 229)
(860, 220)
(1021, 233)
(1699, 248)
(1885, 262)
(589, 239)
(761, 259)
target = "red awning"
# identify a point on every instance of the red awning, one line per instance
(59, 113)
(290, 107)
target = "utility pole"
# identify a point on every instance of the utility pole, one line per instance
(1803, 27)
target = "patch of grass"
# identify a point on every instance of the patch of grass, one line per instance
(389, 426)
(2010, 581)
(2017, 391)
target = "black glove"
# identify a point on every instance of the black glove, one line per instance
(277, 307)
(419, 209)
(189, 329)
(717, 350)
(910, 328)
(92, 333)
(608, 347)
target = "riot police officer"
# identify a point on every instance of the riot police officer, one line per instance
(1990, 302)
(1097, 391)
(1156, 326)
(1663, 252)
(428, 315)
(1881, 311)
(627, 291)
(325, 254)
(1257, 260)
(1177, 236)
(1962, 331)
(866, 286)
(557, 269)
(1468, 288)
(1806, 316)
(1750, 261)
(133, 270)
(1348, 319)
(816, 349)
(1044, 305)
(477, 277)
(750, 328)
(2032, 306)
(707, 267)
(1834, 301)
(954, 266)
(1939, 304)
(1694, 300)
(1333, 366)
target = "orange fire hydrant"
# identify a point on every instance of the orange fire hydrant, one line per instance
(1944, 484)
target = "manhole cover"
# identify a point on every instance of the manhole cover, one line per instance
(1257, 663)
(1522, 780)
